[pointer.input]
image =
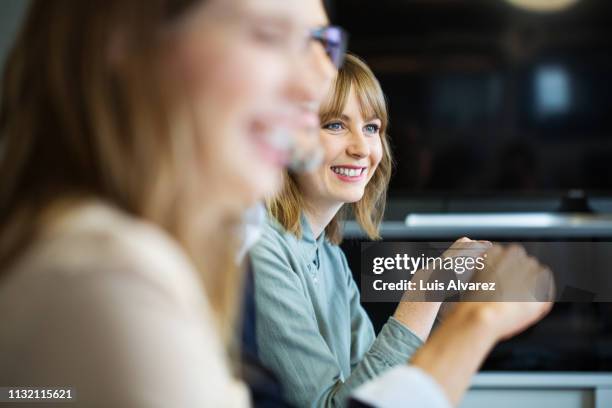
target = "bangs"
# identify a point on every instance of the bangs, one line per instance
(370, 97)
(334, 104)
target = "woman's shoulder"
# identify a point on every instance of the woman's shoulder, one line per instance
(276, 254)
(97, 240)
(120, 287)
(274, 237)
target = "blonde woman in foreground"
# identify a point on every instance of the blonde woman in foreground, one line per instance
(133, 135)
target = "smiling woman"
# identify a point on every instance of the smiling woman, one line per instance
(357, 164)
(309, 319)
(311, 328)
(121, 126)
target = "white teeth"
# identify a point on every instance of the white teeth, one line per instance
(279, 138)
(348, 172)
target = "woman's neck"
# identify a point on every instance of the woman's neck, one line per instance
(320, 216)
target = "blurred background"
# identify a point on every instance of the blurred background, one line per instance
(11, 14)
(487, 96)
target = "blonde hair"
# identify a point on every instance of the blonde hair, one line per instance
(75, 125)
(288, 205)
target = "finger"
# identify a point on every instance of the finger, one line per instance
(458, 245)
(516, 250)
(545, 285)
(537, 280)
(528, 282)
(464, 247)
(481, 247)
(512, 261)
(533, 261)
(493, 255)
(531, 267)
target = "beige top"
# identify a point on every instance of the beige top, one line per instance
(111, 306)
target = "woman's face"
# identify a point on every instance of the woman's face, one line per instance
(353, 150)
(251, 83)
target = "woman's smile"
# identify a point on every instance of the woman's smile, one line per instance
(350, 173)
(272, 142)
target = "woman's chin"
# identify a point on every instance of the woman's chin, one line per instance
(351, 197)
(268, 183)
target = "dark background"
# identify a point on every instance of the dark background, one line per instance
(575, 336)
(487, 98)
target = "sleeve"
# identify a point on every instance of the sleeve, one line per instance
(402, 386)
(395, 344)
(292, 347)
(121, 339)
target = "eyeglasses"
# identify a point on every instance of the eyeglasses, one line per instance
(334, 39)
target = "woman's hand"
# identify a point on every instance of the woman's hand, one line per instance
(457, 348)
(518, 277)
(461, 248)
(418, 314)
(505, 319)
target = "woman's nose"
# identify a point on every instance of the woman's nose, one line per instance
(358, 146)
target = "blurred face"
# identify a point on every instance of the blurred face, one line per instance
(353, 150)
(252, 80)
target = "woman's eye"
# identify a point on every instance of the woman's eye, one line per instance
(372, 128)
(268, 35)
(334, 126)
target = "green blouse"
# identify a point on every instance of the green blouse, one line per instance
(312, 331)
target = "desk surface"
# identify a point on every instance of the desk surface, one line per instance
(495, 225)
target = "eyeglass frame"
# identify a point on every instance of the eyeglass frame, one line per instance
(335, 41)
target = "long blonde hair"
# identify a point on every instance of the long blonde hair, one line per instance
(74, 123)
(288, 205)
